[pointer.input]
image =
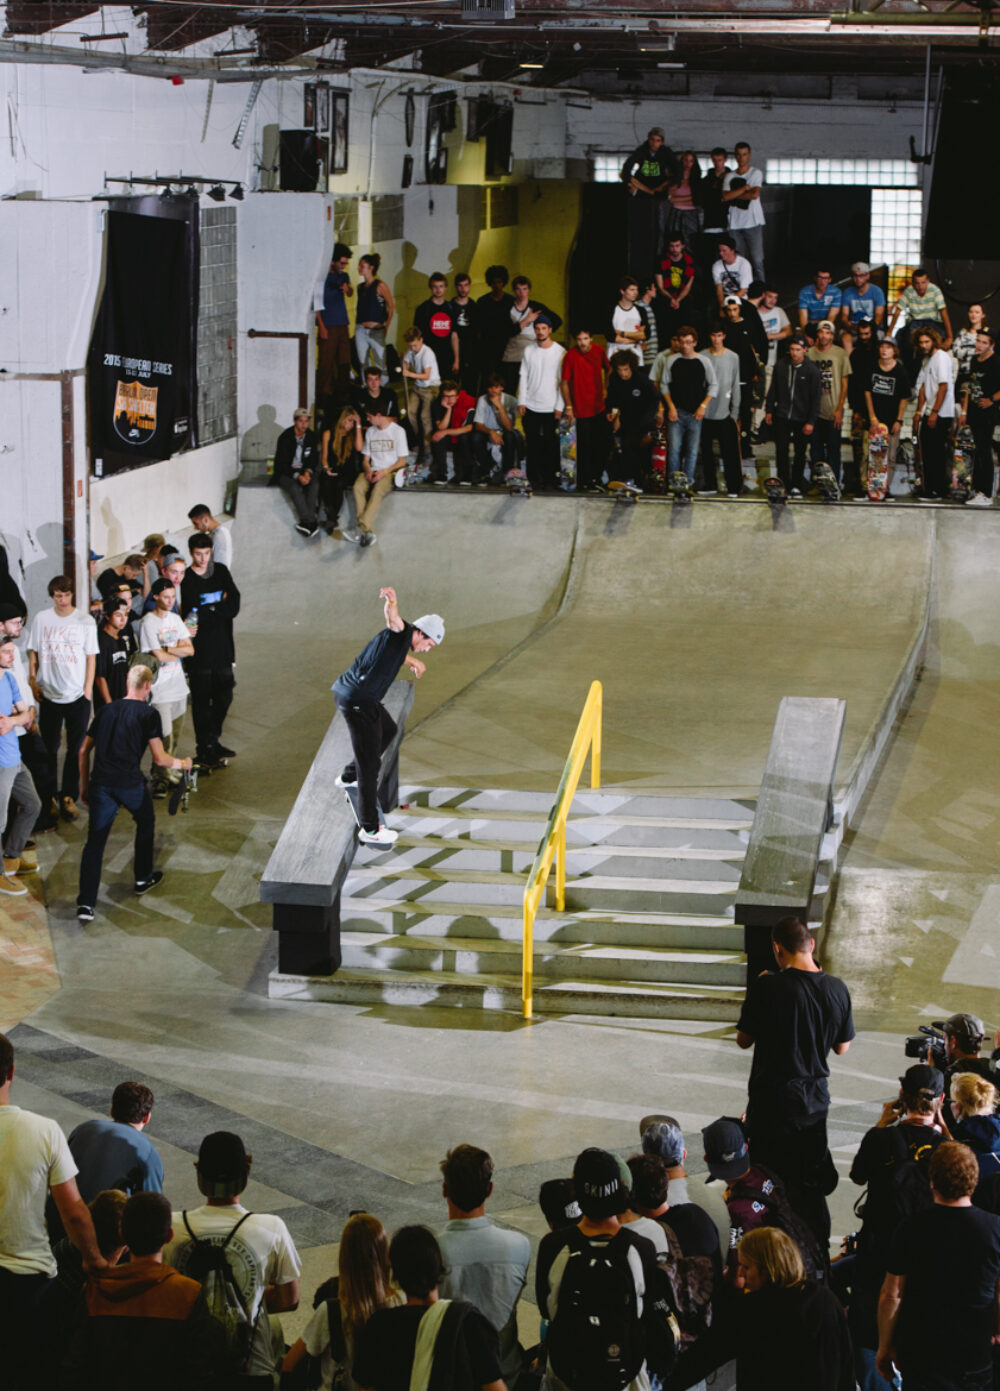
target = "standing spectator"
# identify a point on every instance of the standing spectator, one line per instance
(687, 383)
(466, 313)
(493, 312)
(863, 355)
(340, 456)
(964, 348)
(935, 410)
(682, 193)
(261, 1252)
(695, 1230)
(924, 307)
(451, 418)
(633, 410)
(383, 455)
(296, 471)
(114, 1151)
(714, 209)
(16, 786)
(834, 370)
(818, 301)
(862, 300)
(484, 1263)
(371, 397)
(721, 424)
(585, 371)
(152, 553)
(9, 592)
(744, 337)
(120, 735)
(34, 754)
(627, 329)
(979, 411)
(372, 316)
(793, 1020)
(330, 306)
(647, 174)
(776, 326)
(792, 408)
(209, 603)
(116, 646)
(674, 280)
(164, 634)
(886, 394)
(420, 366)
(732, 273)
(521, 329)
(62, 657)
(496, 442)
(539, 403)
(741, 190)
(943, 1269)
(222, 538)
(435, 319)
(647, 313)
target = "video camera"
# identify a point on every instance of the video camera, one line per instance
(927, 1046)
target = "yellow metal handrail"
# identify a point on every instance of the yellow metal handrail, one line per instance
(587, 739)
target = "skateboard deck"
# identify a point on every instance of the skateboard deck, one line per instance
(961, 468)
(775, 491)
(621, 492)
(878, 461)
(680, 488)
(181, 791)
(517, 483)
(825, 480)
(567, 455)
(659, 462)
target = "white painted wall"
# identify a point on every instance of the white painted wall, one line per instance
(128, 506)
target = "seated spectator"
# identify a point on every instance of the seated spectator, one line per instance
(341, 451)
(557, 1199)
(373, 396)
(296, 471)
(152, 551)
(420, 367)
(452, 420)
(496, 443)
(484, 1263)
(924, 307)
(973, 1120)
(524, 311)
(116, 646)
(457, 1346)
(581, 1337)
(633, 410)
(674, 280)
(130, 571)
(145, 1315)
(383, 455)
(693, 1228)
(585, 371)
(222, 538)
(819, 301)
(362, 1285)
(862, 299)
(732, 273)
(790, 1332)
(262, 1255)
(662, 1136)
(59, 1310)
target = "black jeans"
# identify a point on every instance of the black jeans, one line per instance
(788, 432)
(211, 697)
(331, 497)
(511, 452)
(372, 730)
(105, 803)
(934, 442)
(981, 423)
(541, 447)
(303, 497)
(800, 1155)
(726, 434)
(461, 451)
(19, 1327)
(52, 715)
(591, 450)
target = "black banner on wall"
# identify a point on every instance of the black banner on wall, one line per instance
(140, 373)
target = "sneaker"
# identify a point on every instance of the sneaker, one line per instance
(19, 865)
(302, 529)
(440, 482)
(143, 886)
(368, 538)
(383, 836)
(341, 781)
(224, 752)
(84, 913)
(69, 811)
(160, 791)
(353, 536)
(794, 492)
(633, 485)
(707, 492)
(979, 500)
(465, 483)
(12, 887)
(314, 532)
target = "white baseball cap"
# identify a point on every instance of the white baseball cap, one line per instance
(432, 626)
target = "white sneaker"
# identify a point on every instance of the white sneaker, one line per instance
(979, 500)
(383, 836)
(341, 781)
(353, 536)
(633, 485)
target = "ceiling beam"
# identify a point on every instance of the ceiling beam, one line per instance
(41, 16)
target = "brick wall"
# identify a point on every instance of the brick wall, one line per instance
(217, 326)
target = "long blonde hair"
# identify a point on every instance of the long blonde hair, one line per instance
(775, 1254)
(363, 1268)
(342, 442)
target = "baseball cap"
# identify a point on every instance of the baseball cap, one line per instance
(662, 1135)
(158, 586)
(597, 1182)
(300, 411)
(732, 299)
(801, 339)
(8, 611)
(860, 268)
(825, 323)
(965, 1025)
(921, 1077)
(543, 319)
(726, 1152)
(95, 556)
(432, 626)
(657, 130)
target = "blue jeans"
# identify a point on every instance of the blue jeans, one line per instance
(683, 438)
(371, 339)
(105, 803)
(750, 243)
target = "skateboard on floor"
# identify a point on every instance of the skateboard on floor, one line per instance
(775, 491)
(567, 454)
(680, 488)
(517, 483)
(658, 461)
(961, 468)
(878, 461)
(621, 492)
(826, 481)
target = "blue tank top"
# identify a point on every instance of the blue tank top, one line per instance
(371, 305)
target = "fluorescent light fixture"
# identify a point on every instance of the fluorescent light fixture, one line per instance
(671, 65)
(531, 65)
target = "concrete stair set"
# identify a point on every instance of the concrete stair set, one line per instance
(648, 928)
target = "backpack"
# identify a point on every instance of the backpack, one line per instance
(780, 1213)
(208, 1263)
(908, 1190)
(596, 1339)
(692, 1286)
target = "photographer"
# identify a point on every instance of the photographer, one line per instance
(963, 1038)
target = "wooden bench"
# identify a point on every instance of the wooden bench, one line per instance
(794, 811)
(317, 845)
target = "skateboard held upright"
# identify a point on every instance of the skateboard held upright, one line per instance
(878, 461)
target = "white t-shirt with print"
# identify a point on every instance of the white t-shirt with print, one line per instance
(739, 218)
(63, 646)
(734, 277)
(773, 321)
(165, 630)
(261, 1253)
(385, 448)
(34, 1157)
(420, 361)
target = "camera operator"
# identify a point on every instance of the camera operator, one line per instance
(893, 1159)
(963, 1038)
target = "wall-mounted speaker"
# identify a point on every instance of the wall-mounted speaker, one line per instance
(407, 178)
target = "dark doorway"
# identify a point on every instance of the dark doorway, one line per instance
(599, 257)
(830, 224)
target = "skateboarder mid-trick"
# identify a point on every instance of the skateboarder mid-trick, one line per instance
(359, 691)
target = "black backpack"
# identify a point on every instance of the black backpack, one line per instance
(692, 1286)
(208, 1263)
(907, 1192)
(596, 1340)
(780, 1213)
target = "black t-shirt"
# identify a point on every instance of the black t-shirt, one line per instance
(437, 323)
(374, 669)
(950, 1258)
(466, 318)
(887, 389)
(383, 1357)
(217, 601)
(688, 383)
(121, 733)
(710, 197)
(878, 1153)
(651, 167)
(112, 662)
(366, 405)
(863, 360)
(984, 380)
(696, 1232)
(794, 1017)
(494, 326)
(636, 399)
(109, 582)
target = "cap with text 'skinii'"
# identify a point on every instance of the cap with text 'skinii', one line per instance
(432, 626)
(598, 1185)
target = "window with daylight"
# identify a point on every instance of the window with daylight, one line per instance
(897, 215)
(873, 173)
(607, 168)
